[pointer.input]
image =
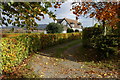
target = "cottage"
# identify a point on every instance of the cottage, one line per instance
(70, 23)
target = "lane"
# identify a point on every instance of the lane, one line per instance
(45, 64)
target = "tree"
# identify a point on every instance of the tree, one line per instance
(69, 30)
(54, 28)
(25, 14)
(105, 12)
(76, 30)
(108, 13)
(12, 30)
(96, 25)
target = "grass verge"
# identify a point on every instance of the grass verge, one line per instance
(61, 50)
(89, 57)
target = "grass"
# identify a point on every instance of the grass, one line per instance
(59, 51)
(89, 57)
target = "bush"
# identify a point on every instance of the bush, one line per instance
(54, 28)
(89, 33)
(70, 30)
(96, 25)
(76, 30)
(105, 45)
(10, 34)
(16, 49)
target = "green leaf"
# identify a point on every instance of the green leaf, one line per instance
(12, 2)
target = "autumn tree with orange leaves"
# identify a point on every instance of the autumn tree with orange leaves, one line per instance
(106, 12)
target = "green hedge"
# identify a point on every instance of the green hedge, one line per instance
(105, 45)
(69, 30)
(16, 49)
(89, 33)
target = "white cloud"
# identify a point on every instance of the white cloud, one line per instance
(64, 12)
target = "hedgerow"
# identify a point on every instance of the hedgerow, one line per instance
(106, 45)
(15, 49)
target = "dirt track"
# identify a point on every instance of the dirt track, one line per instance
(45, 66)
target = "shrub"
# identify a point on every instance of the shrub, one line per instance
(70, 30)
(105, 45)
(76, 30)
(89, 33)
(10, 34)
(54, 28)
(96, 25)
(12, 30)
(16, 49)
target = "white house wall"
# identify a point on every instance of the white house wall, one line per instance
(65, 23)
(64, 31)
(77, 29)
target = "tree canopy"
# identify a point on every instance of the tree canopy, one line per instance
(25, 14)
(54, 28)
(102, 11)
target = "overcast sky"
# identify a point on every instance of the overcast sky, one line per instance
(64, 12)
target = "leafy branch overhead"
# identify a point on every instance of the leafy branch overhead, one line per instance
(25, 14)
(102, 11)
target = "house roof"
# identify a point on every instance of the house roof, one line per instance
(69, 21)
(59, 20)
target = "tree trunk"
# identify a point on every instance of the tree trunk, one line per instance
(104, 27)
(118, 26)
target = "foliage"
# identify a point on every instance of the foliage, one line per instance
(69, 30)
(9, 34)
(76, 30)
(96, 25)
(12, 29)
(105, 45)
(14, 34)
(88, 33)
(13, 52)
(16, 49)
(25, 13)
(102, 11)
(54, 28)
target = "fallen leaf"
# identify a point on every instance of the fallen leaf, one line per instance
(46, 63)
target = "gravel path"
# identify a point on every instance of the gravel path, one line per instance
(44, 66)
